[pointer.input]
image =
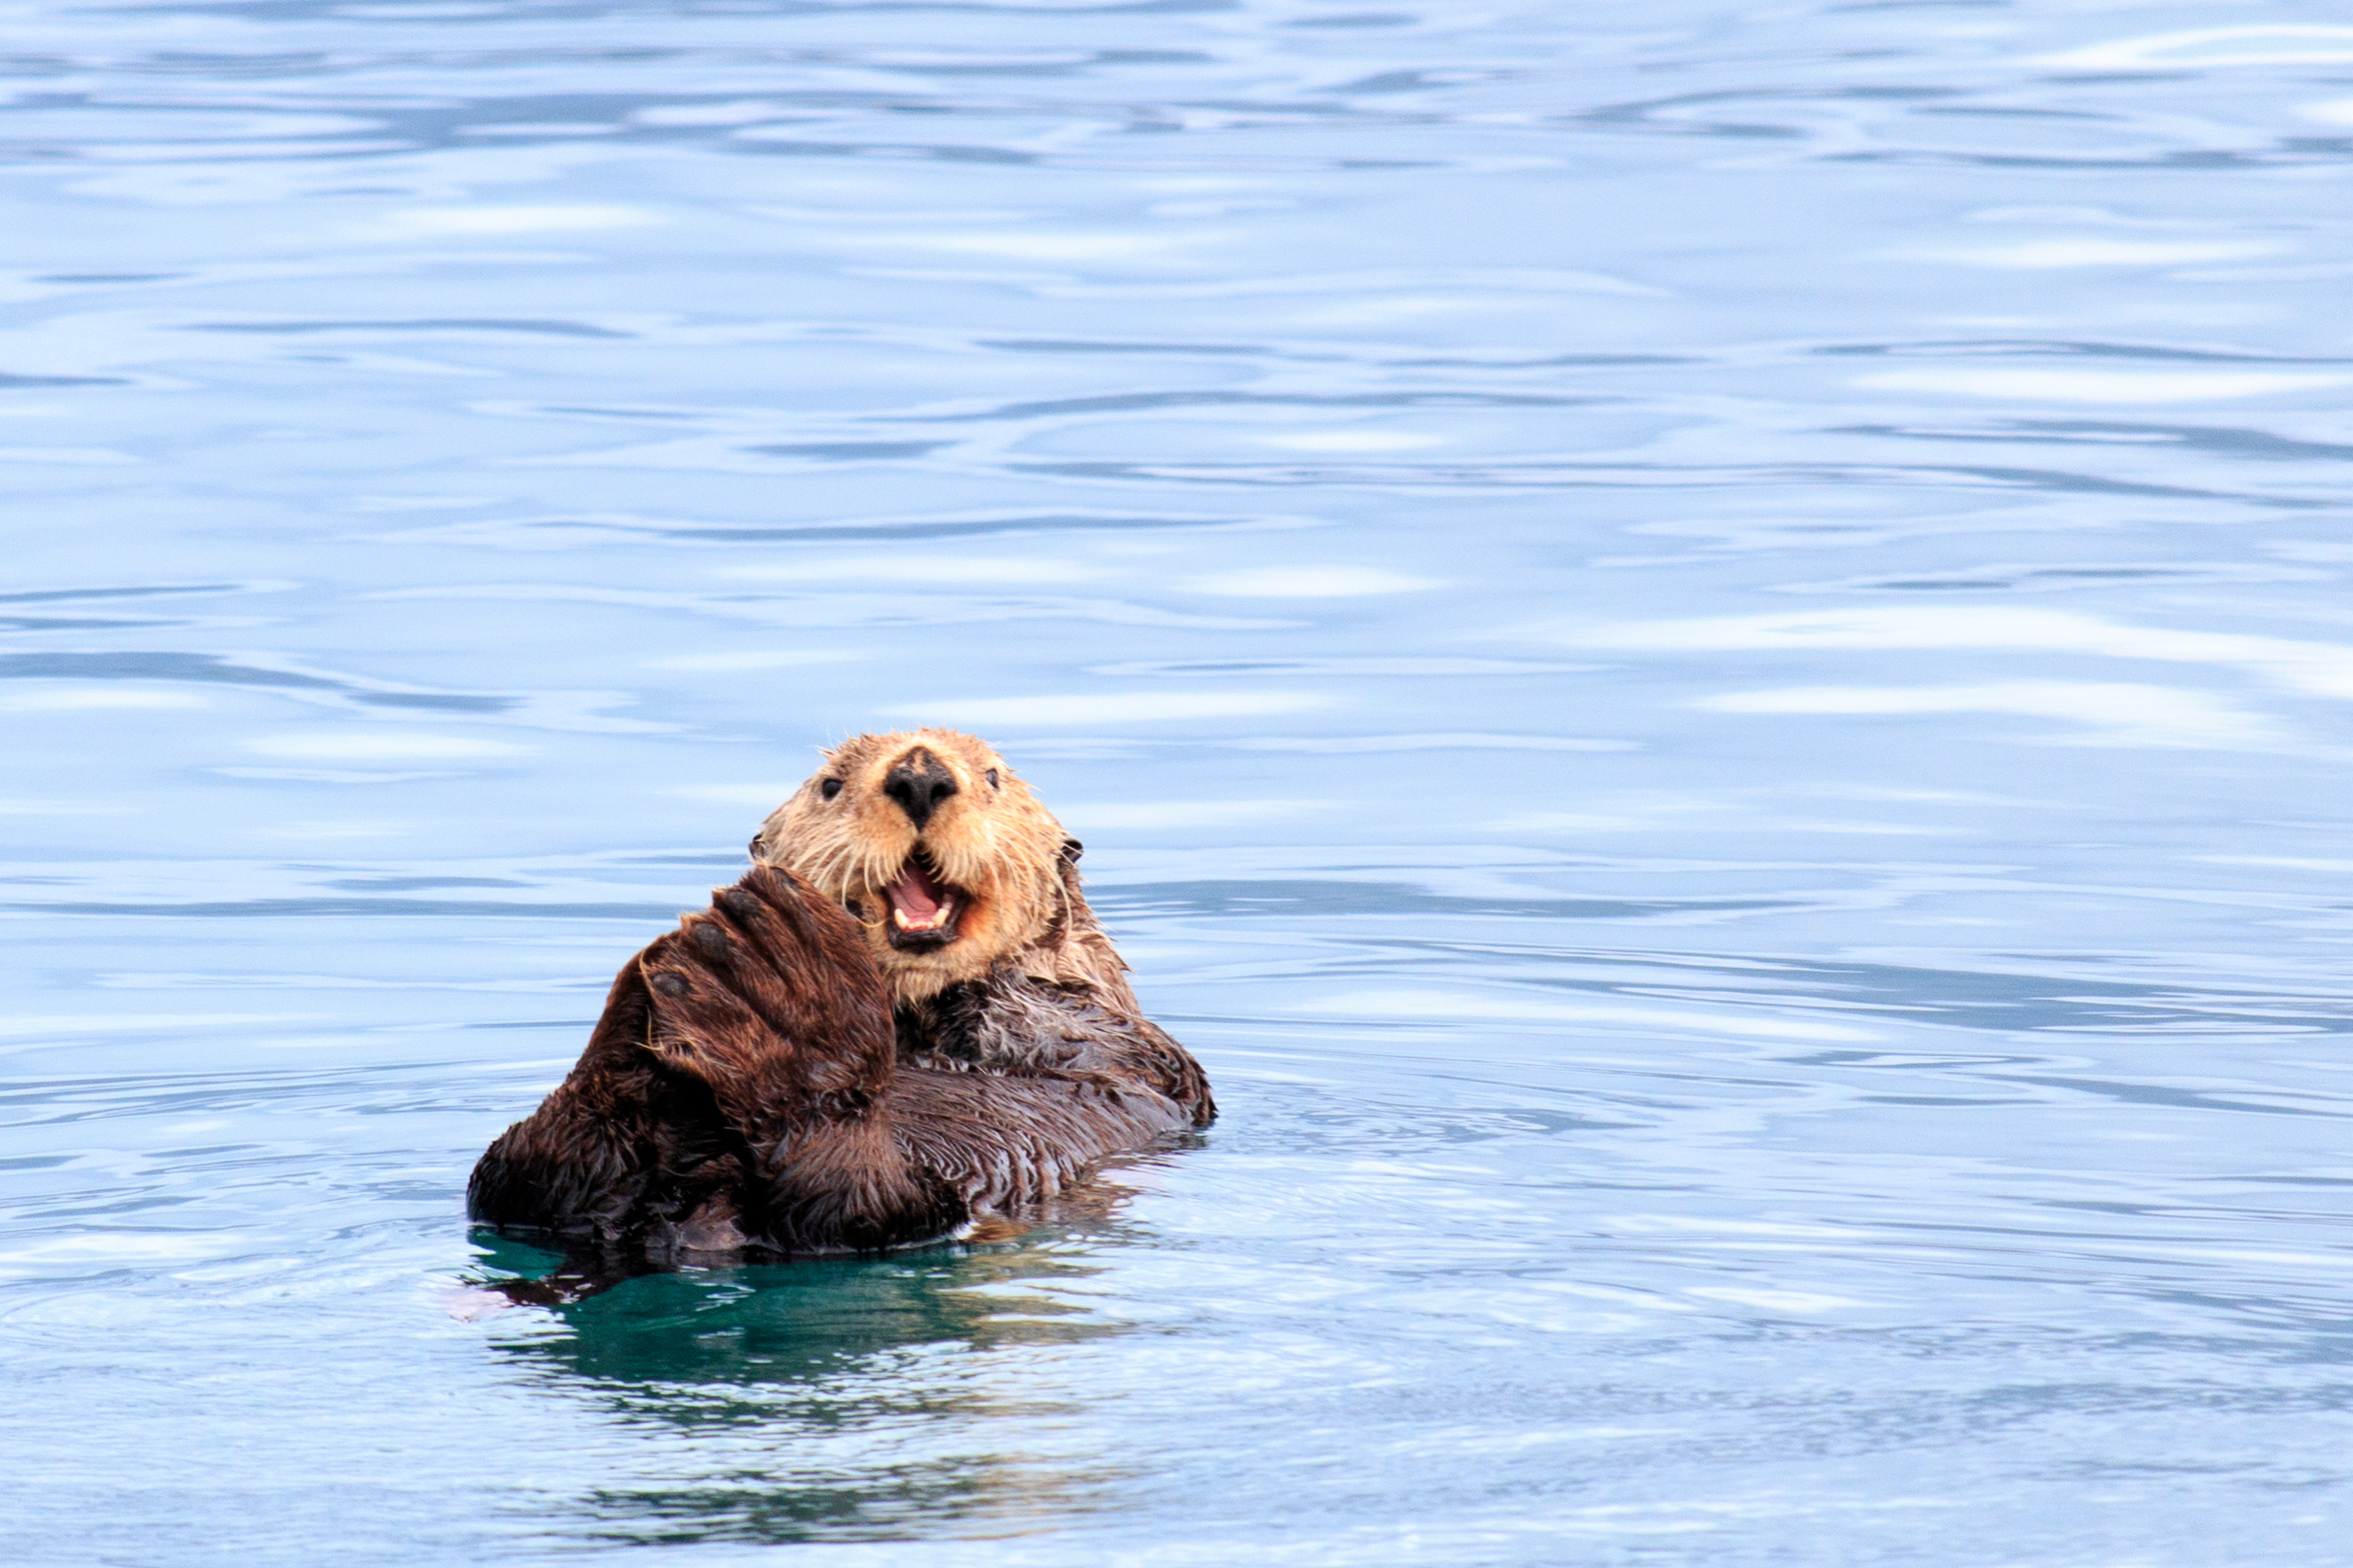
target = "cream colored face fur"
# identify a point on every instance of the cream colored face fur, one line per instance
(944, 858)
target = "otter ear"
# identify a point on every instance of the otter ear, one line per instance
(765, 842)
(768, 844)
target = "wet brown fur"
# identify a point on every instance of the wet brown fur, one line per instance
(778, 1078)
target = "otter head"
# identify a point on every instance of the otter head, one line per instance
(944, 858)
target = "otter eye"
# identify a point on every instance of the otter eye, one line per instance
(991, 776)
(831, 788)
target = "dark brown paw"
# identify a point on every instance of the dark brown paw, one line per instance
(770, 998)
(699, 1021)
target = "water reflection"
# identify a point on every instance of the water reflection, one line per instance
(875, 1398)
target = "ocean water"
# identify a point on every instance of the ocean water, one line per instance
(1703, 648)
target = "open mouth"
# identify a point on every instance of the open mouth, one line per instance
(923, 909)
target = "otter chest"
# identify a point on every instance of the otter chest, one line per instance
(994, 1026)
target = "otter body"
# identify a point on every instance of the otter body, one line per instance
(903, 1019)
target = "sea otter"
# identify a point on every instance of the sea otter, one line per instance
(902, 1020)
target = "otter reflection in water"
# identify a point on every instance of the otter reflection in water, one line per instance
(839, 1398)
(904, 1021)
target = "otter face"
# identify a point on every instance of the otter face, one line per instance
(926, 837)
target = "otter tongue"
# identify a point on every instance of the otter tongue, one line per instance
(917, 898)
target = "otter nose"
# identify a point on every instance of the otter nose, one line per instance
(919, 782)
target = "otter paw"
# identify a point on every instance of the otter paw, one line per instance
(798, 960)
(771, 995)
(698, 1022)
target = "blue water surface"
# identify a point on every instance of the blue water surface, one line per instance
(1702, 647)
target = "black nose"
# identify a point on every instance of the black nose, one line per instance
(919, 782)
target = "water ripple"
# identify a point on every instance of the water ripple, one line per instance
(1708, 1075)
